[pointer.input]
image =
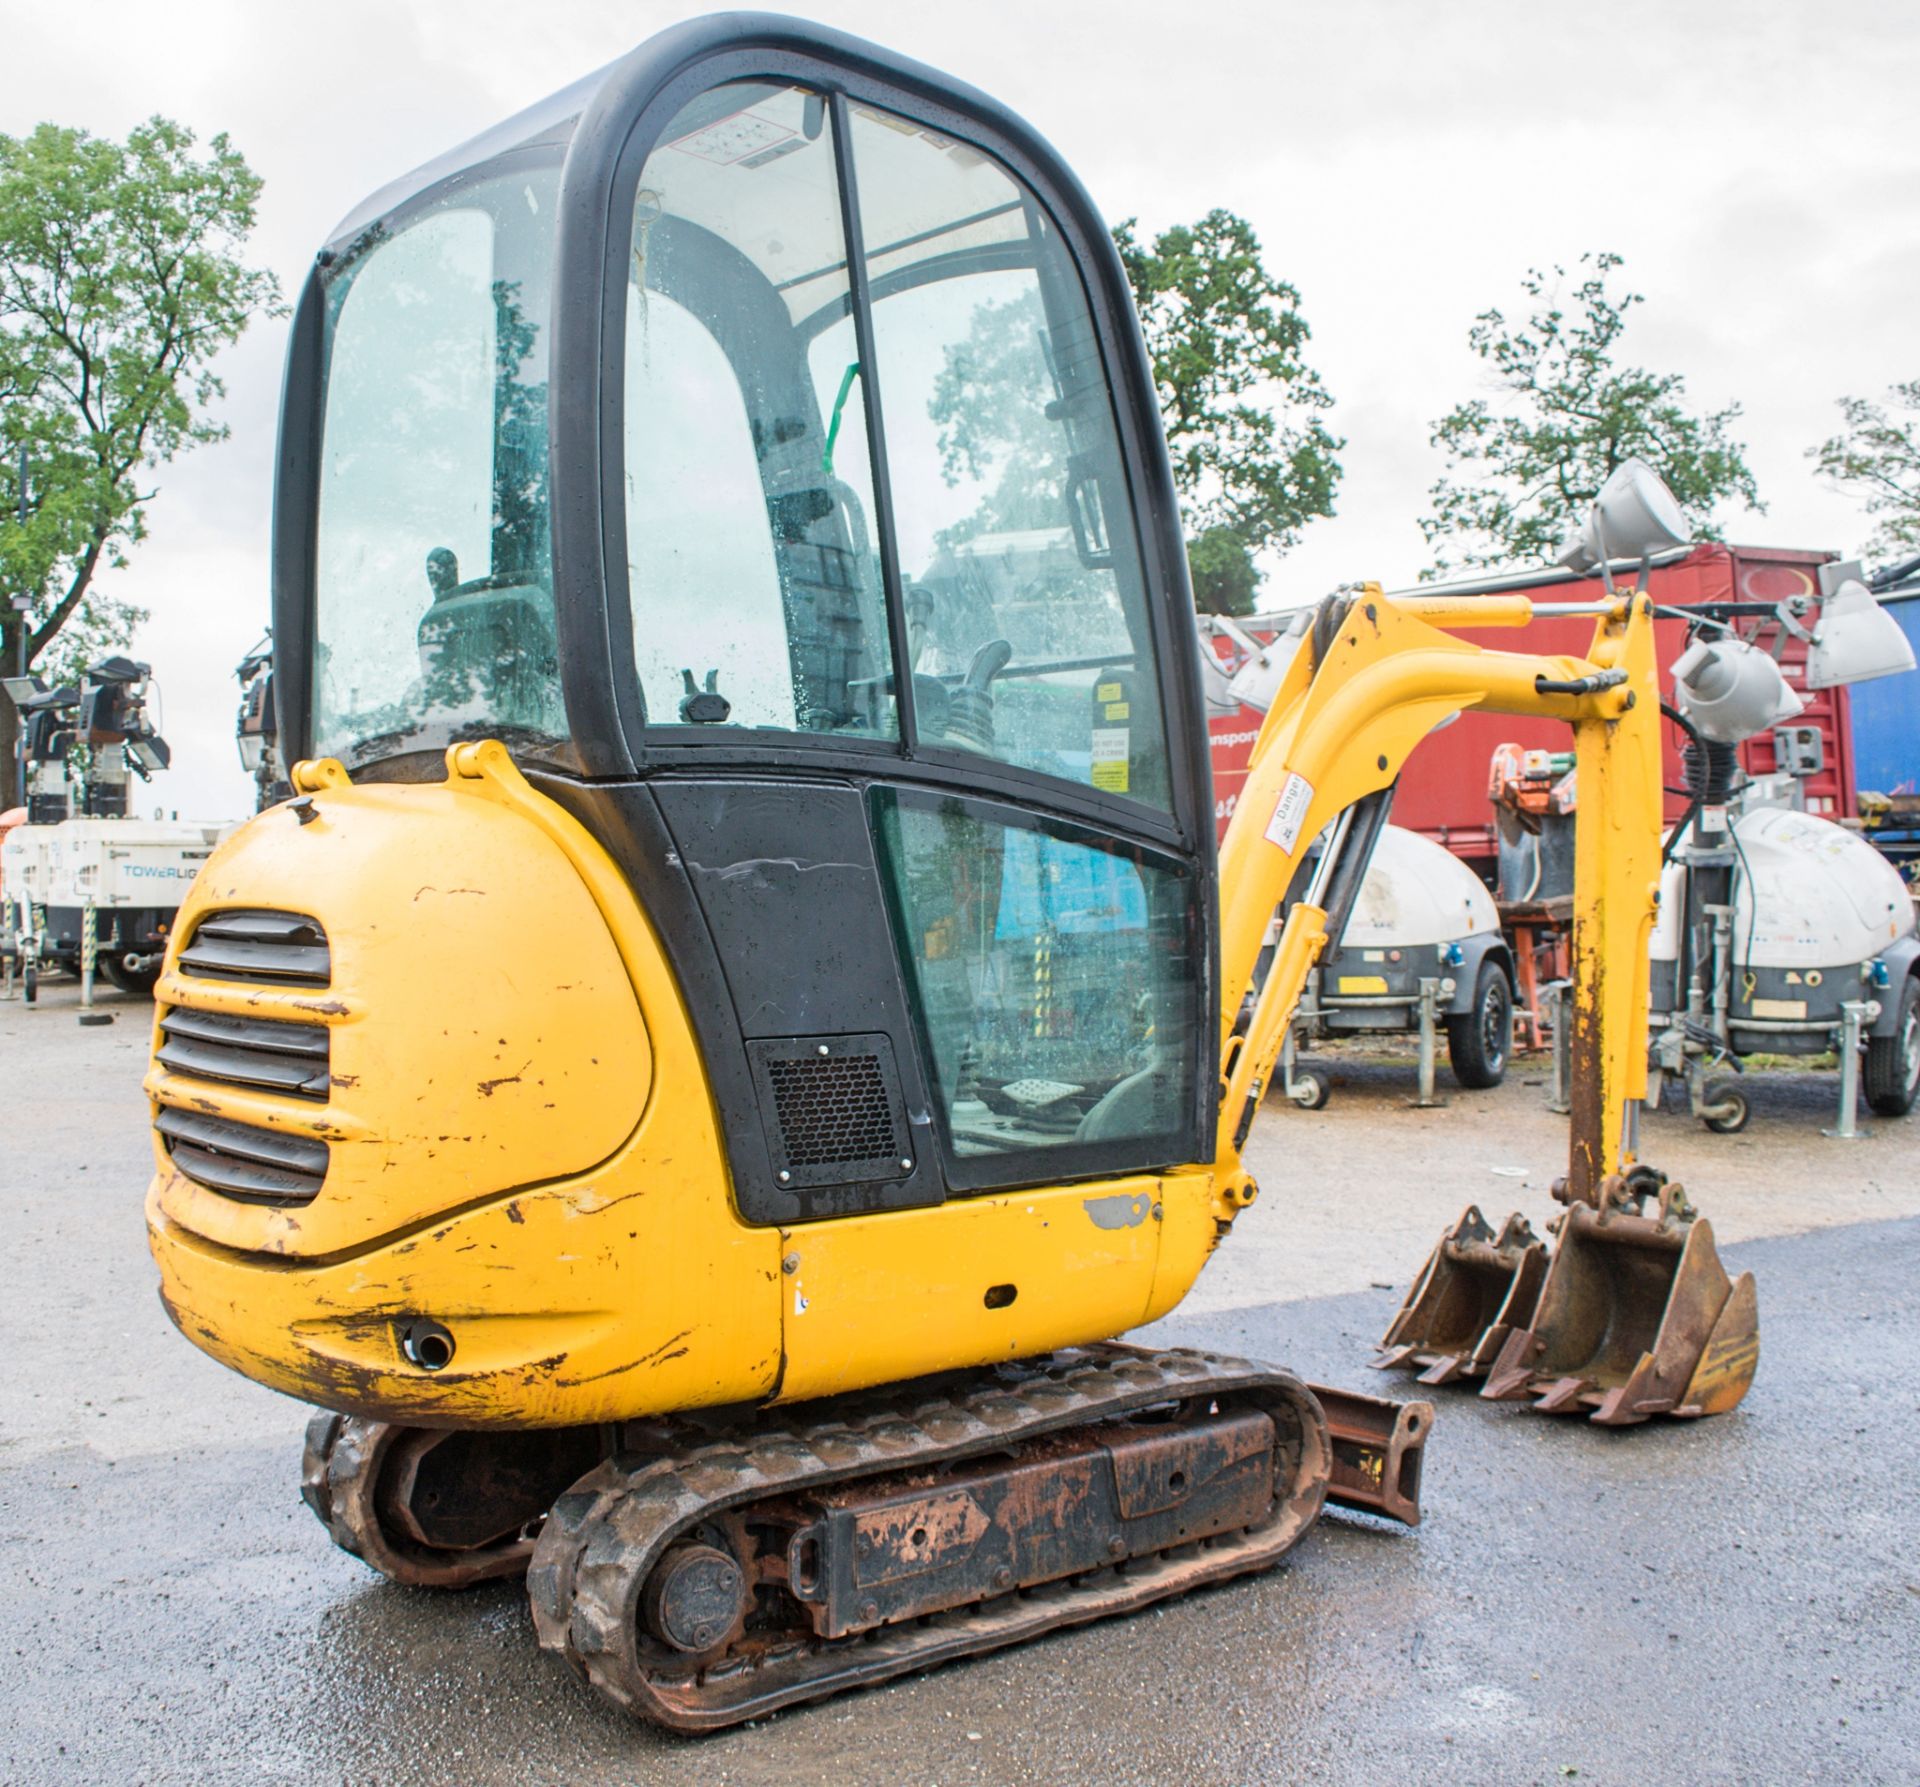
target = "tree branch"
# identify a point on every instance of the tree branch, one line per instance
(41, 638)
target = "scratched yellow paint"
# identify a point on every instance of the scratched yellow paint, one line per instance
(484, 1032)
(895, 1295)
(517, 1152)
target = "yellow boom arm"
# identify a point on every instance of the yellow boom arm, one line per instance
(1340, 729)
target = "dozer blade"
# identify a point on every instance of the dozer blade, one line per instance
(1637, 1317)
(1377, 1449)
(1475, 1290)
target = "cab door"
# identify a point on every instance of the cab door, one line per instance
(899, 646)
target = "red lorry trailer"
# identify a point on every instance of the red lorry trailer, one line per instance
(1443, 789)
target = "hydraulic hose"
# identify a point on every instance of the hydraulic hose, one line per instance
(1710, 768)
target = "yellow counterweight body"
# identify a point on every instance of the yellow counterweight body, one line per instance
(523, 1148)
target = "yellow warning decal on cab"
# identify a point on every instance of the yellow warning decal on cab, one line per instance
(1109, 692)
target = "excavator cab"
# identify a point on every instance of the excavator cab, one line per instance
(755, 439)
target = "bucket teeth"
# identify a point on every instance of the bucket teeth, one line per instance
(1633, 1316)
(1474, 1289)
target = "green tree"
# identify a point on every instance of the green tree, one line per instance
(121, 279)
(1876, 457)
(1253, 460)
(1525, 465)
(1225, 578)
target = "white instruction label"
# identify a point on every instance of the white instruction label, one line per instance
(1290, 812)
(1112, 758)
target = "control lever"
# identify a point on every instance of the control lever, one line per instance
(703, 707)
(970, 707)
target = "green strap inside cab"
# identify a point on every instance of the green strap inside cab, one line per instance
(833, 425)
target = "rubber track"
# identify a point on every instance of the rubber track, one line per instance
(605, 1535)
(340, 1470)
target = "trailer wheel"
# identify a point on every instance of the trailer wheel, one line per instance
(1310, 1091)
(1893, 1062)
(1724, 1107)
(1479, 1040)
(138, 981)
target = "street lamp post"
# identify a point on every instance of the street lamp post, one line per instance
(20, 603)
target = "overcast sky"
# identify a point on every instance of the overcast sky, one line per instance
(1403, 163)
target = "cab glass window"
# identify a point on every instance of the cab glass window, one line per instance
(433, 580)
(1052, 977)
(756, 592)
(1026, 609)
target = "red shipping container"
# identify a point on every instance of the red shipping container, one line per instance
(1443, 789)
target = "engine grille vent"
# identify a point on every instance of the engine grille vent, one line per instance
(256, 1052)
(832, 1109)
(257, 1166)
(281, 948)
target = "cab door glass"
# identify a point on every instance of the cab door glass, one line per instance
(756, 593)
(1053, 979)
(1027, 614)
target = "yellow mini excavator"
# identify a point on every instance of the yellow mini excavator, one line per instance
(742, 1005)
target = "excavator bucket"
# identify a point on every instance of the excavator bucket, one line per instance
(1475, 1290)
(1637, 1317)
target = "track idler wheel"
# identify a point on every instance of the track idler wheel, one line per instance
(432, 1508)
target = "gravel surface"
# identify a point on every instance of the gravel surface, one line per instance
(1355, 1194)
(1732, 1600)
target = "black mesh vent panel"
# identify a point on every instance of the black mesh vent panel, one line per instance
(831, 1108)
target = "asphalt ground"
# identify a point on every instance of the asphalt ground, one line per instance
(1730, 1600)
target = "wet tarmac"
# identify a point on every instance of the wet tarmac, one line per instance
(1737, 1600)
(1732, 1600)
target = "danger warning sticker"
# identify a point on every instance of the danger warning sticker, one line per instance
(1290, 812)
